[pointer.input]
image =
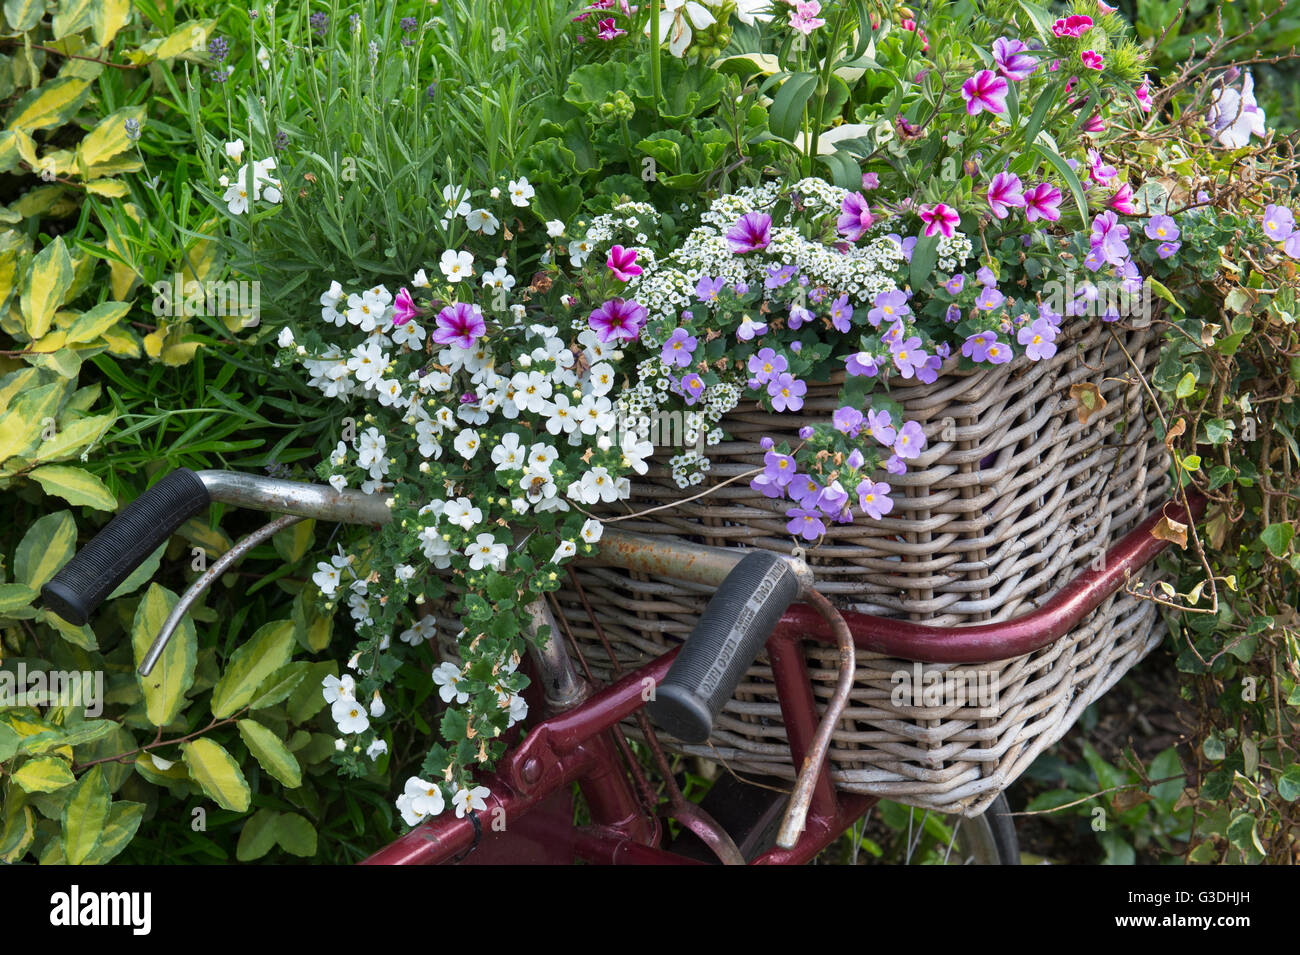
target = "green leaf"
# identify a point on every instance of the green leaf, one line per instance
(296, 835)
(1277, 538)
(924, 256)
(141, 574)
(250, 665)
(271, 753)
(46, 547)
(277, 687)
(1213, 747)
(786, 115)
(23, 14)
(123, 823)
(44, 774)
(15, 596)
(257, 838)
(1065, 172)
(217, 774)
(1035, 122)
(164, 688)
(85, 816)
(1165, 294)
(47, 284)
(96, 321)
(73, 16)
(1186, 385)
(1041, 19)
(74, 485)
(1288, 784)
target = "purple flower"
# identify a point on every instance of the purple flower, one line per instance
(692, 386)
(955, 284)
(766, 486)
(1279, 224)
(847, 420)
(1291, 246)
(766, 443)
(778, 275)
(1162, 228)
(861, 363)
(908, 357)
(622, 262)
(989, 299)
(880, 427)
(799, 315)
(766, 364)
(1100, 171)
(841, 313)
(909, 244)
(618, 319)
(1165, 249)
(804, 491)
(1109, 238)
(855, 460)
(985, 276)
(748, 329)
(870, 180)
(1005, 192)
(888, 306)
(976, 347)
(874, 498)
(998, 353)
(943, 350)
(1013, 63)
(985, 91)
(779, 468)
(678, 348)
(1122, 200)
(1043, 201)
(1038, 339)
(910, 441)
(805, 523)
(752, 231)
(786, 392)
(929, 372)
(805, 432)
(832, 499)
(855, 217)
(953, 315)
(460, 325)
(707, 289)
(895, 465)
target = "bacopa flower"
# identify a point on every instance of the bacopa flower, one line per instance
(861, 363)
(752, 232)
(1005, 192)
(460, 325)
(766, 364)
(1012, 60)
(985, 91)
(470, 800)
(1043, 201)
(908, 356)
(880, 426)
(910, 441)
(622, 262)
(855, 217)
(679, 347)
(707, 289)
(847, 419)
(805, 523)
(1165, 229)
(1038, 339)
(1278, 222)
(787, 392)
(940, 218)
(778, 468)
(618, 320)
(841, 313)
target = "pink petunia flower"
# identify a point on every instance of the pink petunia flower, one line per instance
(403, 308)
(1005, 192)
(622, 262)
(939, 218)
(617, 319)
(752, 231)
(1043, 201)
(855, 217)
(985, 91)
(460, 325)
(1122, 201)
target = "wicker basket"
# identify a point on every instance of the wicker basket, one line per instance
(1012, 497)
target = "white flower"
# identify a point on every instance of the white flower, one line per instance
(338, 482)
(371, 452)
(327, 578)
(560, 416)
(329, 300)
(592, 530)
(377, 707)
(467, 443)
(675, 28)
(565, 550)
(390, 391)
(635, 452)
(340, 744)
(1235, 115)
(520, 191)
(236, 199)
(749, 11)
(367, 310)
(540, 457)
(419, 800)
(421, 280)
(508, 455)
(555, 228)
(456, 265)
(456, 200)
(339, 688)
(463, 513)
(286, 337)
(264, 57)
(235, 150)
(601, 378)
(424, 629)
(494, 192)
(579, 249)
(499, 278)
(517, 705)
(377, 749)
(350, 715)
(447, 676)
(486, 552)
(469, 800)
(480, 220)
(598, 485)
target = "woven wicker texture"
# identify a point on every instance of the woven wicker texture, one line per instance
(1013, 497)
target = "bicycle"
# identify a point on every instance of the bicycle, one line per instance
(761, 599)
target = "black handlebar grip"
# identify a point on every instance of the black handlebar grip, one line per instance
(94, 572)
(726, 641)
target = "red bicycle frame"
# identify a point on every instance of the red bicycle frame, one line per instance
(529, 815)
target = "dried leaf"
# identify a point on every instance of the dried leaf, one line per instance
(1172, 531)
(1126, 799)
(1088, 400)
(1177, 428)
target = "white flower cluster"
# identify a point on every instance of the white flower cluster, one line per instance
(628, 223)
(954, 250)
(257, 179)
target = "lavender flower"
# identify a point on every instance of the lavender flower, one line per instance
(874, 498)
(841, 313)
(679, 348)
(805, 523)
(787, 392)
(847, 420)
(910, 441)
(888, 307)
(320, 23)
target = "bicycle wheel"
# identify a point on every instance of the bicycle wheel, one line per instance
(988, 839)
